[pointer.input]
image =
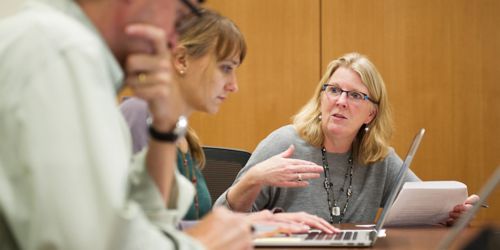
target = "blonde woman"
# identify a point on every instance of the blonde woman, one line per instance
(345, 128)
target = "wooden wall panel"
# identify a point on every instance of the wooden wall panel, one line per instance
(277, 76)
(438, 59)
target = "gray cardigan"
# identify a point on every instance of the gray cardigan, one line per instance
(371, 184)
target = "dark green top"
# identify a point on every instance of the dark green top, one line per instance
(202, 202)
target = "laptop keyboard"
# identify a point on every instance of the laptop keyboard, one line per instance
(343, 235)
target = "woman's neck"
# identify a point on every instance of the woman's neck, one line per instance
(337, 145)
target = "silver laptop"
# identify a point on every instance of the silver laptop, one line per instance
(347, 238)
(466, 218)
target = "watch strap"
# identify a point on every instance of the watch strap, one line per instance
(179, 131)
(164, 137)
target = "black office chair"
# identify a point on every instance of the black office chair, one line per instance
(222, 166)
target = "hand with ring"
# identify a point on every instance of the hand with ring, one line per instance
(149, 76)
(283, 171)
(141, 78)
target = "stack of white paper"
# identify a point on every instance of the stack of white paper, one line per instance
(425, 203)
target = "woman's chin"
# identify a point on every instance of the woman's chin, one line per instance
(334, 129)
(212, 110)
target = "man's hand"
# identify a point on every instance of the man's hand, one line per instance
(224, 230)
(149, 76)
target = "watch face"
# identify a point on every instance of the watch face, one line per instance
(170, 137)
(181, 126)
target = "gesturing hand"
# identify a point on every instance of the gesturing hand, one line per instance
(283, 171)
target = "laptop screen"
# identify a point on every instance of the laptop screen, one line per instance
(400, 178)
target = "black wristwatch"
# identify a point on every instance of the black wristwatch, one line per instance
(171, 136)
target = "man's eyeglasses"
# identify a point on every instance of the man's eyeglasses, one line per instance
(193, 7)
(183, 18)
(334, 91)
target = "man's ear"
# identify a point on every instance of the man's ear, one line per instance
(179, 59)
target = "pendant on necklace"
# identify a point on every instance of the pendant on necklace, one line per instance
(335, 211)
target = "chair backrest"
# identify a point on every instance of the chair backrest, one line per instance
(222, 166)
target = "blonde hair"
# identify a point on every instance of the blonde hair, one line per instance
(367, 147)
(195, 148)
(201, 35)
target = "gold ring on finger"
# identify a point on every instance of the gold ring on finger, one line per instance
(141, 78)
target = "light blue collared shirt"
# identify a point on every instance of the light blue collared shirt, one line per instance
(68, 179)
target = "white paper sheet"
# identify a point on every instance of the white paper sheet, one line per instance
(425, 203)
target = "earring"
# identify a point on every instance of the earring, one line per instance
(319, 117)
(181, 72)
(367, 128)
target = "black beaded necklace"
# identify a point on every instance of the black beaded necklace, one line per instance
(336, 216)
